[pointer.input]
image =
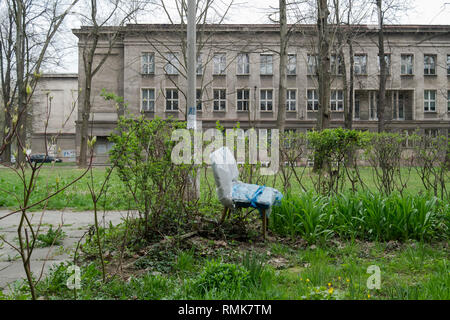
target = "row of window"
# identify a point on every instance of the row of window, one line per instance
(172, 65)
(266, 101)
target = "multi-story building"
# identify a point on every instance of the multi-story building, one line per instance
(238, 77)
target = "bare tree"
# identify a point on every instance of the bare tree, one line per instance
(28, 50)
(209, 14)
(7, 64)
(346, 31)
(383, 69)
(386, 11)
(31, 46)
(324, 74)
(117, 12)
(283, 64)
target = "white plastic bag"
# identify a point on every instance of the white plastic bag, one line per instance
(225, 172)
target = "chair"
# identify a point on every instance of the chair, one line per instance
(234, 194)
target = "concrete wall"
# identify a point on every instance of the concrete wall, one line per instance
(55, 107)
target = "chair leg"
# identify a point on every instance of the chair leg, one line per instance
(224, 214)
(264, 224)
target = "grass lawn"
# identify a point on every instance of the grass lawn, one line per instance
(211, 269)
(221, 266)
(77, 196)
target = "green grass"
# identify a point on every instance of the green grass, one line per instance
(77, 196)
(412, 271)
(351, 233)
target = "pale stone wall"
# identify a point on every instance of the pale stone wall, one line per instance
(54, 114)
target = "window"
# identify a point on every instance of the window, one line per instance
(312, 64)
(243, 64)
(220, 99)
(219, 63)
(291, 100)
(429, 65)
(429, 101)
(199, 70)
(199, 99)
(171, 66)
(148, 100)
(401, 106)
(448, 100)
(266, 100)
(337, 100)
(387, 58)
(171, 99)
(102, 146)
(407, 64)
(313, 100)
(291, 65)
(448, 64)
(398, 105)
(243, 99)
(373, 105)
(148, 63)
(266, 64)
(336, 65)
(357, 107)
(360, 66)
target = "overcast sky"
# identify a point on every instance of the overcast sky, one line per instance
(255, 11)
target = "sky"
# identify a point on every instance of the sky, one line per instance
(255, 11)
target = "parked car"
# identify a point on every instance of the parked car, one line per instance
(39, 158)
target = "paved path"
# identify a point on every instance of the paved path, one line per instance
(74, 224)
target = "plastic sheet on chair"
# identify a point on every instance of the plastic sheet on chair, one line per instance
(225, 172)
(252, 195)
(233, 193)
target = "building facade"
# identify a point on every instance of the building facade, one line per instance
(55, 108)
(238, 76)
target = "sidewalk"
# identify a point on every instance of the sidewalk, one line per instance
(75, 224)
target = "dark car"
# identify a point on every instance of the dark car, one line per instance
(39, 158)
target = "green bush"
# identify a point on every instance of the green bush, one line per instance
(222, 277)
(334, 151)
(142, 157)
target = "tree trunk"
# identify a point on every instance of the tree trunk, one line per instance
(21, 85)
(347, 93)
(85, 113)
(383, 70)
(351, 85)
(283, 64)
(324, 75)
(6, 155)
(6, 64)
(323, 120)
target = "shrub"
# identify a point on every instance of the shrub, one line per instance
(384, 153)
(432, 162)
(293, 147)
(223, 277)
(142, 156)
(333, 151)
